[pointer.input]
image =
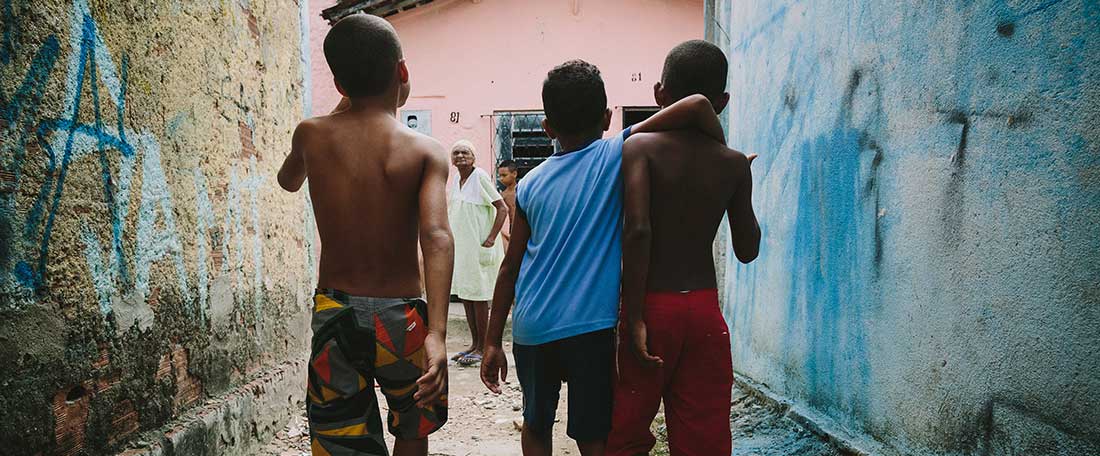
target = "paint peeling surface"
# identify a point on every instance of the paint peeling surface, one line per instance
(136, 215)
(928, 189)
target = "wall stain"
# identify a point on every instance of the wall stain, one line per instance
(790, 98)
(960, 118)
(837, 234)
(954, 196)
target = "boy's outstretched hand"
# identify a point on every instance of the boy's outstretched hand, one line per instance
(432, 385)
(494, 367)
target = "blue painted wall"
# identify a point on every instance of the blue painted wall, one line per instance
(929, 193)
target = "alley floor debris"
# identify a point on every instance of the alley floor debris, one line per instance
(483, 424)
(760, 430)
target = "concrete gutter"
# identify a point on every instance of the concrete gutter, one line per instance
(236, 423)
(846, 442)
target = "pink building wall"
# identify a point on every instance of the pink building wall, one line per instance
(475, 57)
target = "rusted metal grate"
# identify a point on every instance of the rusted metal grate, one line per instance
(381, 8)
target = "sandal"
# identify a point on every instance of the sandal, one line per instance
(471, 359)
(459, 355)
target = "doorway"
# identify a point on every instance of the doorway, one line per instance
(635, 114)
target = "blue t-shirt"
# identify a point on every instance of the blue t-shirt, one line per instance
(570, 277)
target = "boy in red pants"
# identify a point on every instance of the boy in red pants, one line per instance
(674, 344)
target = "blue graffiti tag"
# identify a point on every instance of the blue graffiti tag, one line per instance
(77, 134)
(71, 137)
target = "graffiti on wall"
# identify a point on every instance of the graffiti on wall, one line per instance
(92, 126)
(116, 208)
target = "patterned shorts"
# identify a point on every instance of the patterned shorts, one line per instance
(357, 340)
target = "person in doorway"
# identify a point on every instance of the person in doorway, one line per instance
(378, 189)
(563, 266)
(508, 175)
(674, 343)
(477, 213)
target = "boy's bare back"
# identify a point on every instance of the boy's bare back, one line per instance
(370, 180)
(692, 181)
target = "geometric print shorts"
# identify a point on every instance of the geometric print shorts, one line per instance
(357, 341)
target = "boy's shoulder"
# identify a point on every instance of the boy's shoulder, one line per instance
(683, 141)
(315, 129)
(312, 124)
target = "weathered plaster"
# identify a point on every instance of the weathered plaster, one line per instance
(928, 192)
(148, 262)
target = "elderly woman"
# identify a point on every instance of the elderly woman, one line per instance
(477, 213)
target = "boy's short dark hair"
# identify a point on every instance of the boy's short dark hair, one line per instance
(693, 67)
(362, 51)
(573, 97)
(510, 164)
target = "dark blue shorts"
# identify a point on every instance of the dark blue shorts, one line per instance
(587, 363)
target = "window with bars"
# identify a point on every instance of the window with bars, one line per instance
(519, 136)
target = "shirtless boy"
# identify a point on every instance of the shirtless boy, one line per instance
(563, 266)
(378, 188)
(674, 343)
(508, 174)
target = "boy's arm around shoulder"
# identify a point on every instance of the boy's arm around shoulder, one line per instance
(437, 245)
(692, 112)
(744, 229)
(293, 172)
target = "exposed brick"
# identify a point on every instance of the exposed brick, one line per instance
(154, 297)
(70, 418)
(188, 387)
(164, 367)
(253, 23)
(218, 258)
(104, 359)
(124, 421)
(7, 181)
(248, 149)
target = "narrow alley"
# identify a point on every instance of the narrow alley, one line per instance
(907, 265)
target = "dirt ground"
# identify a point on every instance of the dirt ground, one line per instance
(484, 424)
(479, 423)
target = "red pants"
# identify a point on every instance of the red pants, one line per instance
(688, 332)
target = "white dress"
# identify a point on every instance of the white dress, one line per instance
(471, 213)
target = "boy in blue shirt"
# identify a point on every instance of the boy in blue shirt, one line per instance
(564, 265)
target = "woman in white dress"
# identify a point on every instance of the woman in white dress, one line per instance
(477, 213)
